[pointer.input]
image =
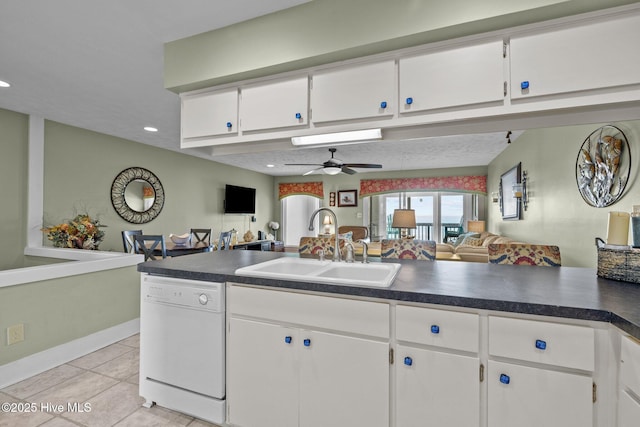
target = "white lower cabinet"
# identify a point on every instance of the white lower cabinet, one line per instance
(436, 389)
(437, 368)
(531, 397)
(344, 381)
(628, 410)
(543, 375)
(310, 360)
(629, 394)
(263, 375)
(281, 372)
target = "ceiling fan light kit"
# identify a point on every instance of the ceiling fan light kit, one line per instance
(334, 166)
(331, 138)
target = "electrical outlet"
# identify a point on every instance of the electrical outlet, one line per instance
(15, 333)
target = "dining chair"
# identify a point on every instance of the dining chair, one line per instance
(147, 245)
(421, 250)
(524, 254)
(224, 241)
(127, 240)
(202, 235)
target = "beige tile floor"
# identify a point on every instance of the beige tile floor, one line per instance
(106, 379)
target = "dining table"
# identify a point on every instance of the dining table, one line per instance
(175, 249)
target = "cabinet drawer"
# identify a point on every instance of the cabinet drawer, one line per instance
(543, 342)
(338, 314)
(630, 365)
(440, 328)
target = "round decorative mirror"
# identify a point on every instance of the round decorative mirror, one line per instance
(603, 166)
(137, 195)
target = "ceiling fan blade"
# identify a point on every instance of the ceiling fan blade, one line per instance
(363, 165)
(312, 171)
(347, 170)
(303, 164)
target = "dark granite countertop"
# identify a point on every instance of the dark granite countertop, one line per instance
(568, 292)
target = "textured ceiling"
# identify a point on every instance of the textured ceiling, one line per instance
(99, 66)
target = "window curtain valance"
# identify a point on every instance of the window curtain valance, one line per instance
(314, 189)
(461, 184)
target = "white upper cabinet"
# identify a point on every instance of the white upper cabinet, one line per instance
(596, 55)
(463, 76)
(358, 92)
(210, 114)
(274, 105)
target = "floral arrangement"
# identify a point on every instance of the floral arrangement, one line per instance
(82, 232)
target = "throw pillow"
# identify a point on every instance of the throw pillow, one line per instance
(472, 241)
(463, 236)
(346, 236)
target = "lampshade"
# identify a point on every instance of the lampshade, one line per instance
(327, 220)
(404, 218)
(475, 226)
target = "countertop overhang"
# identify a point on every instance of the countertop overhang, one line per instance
(569, 292)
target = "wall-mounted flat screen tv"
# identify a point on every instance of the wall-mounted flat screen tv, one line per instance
(239, 200)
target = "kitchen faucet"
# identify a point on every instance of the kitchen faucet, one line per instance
(336, 250)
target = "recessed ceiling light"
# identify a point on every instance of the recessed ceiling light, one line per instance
(4, 84)
(271, 166)
(150, 129)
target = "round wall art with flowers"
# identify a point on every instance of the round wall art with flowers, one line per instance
(82, 232)
(603, 166)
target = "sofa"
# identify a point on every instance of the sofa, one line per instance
(470, 247)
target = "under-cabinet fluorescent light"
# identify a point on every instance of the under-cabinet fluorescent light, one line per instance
(330, 138)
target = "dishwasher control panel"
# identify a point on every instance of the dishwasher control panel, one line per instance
(189, 293)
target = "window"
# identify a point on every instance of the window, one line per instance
(437, 213)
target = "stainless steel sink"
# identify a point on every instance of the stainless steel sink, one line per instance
(288, 268)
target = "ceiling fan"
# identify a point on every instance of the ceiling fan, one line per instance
(334, 166)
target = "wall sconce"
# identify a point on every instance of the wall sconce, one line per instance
(520, 191)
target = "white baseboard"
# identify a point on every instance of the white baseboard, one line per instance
(37, 363)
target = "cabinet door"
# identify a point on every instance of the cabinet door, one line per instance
(210, 114)
(344, 381)
(275, 105)
(436, 389)
(262, 375)
(628, 411)
(531, 397)
(358, 92)
(630, 365)
(456, 77)
(595, 55)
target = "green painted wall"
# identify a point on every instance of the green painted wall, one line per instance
(324, 31)
(556, 213)
(14, 129)
(80, 166)
(58, 311)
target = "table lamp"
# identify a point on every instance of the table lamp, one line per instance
(327, 221)
(404, 219)
(475, 226)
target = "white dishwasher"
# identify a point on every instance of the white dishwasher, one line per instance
(182, 346)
